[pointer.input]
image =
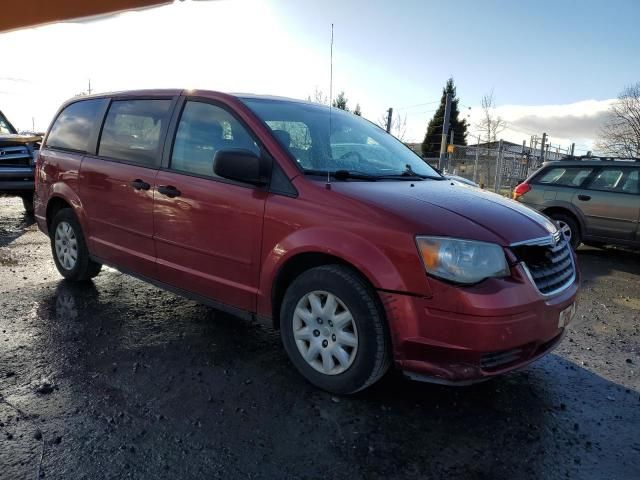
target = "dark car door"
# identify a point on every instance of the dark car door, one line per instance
(116, 184)
(610, 203)
(208, 230)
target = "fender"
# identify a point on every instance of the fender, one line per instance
(353, 249)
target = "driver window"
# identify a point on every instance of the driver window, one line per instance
(203, 130)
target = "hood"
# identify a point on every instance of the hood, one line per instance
(445, 208)
(17, 139)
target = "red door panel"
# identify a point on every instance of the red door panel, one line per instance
(208, 238)
(120, 216)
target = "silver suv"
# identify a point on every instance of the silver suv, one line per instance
(595, 201)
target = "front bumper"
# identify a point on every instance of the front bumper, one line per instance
(463, 335)
(15, 180)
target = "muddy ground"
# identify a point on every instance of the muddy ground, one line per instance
(117, 379)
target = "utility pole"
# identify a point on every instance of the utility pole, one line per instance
(573, 148)
(89, 89)
(445, 131)
(475, 166)
(498, 179)
(389, 117)
(542, 147)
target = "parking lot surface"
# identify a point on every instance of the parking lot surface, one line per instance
(117, 379)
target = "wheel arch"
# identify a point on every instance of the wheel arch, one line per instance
(297, 264)
(549, 211)
(63, 196)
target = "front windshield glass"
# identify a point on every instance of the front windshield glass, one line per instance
(354, 144)
(5, 126)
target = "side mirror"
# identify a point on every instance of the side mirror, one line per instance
(240, 165)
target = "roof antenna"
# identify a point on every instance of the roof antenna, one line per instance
(328, 184)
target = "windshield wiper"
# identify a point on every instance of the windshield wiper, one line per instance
(344, 174)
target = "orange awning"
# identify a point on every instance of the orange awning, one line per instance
(29, 13)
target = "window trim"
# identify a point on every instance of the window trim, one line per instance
(163, 132)
(95, 129)
(542, 171)
(173, 131)
(625, 170)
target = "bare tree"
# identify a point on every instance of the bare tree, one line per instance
(398, 125)
(318, 96)
(620, 135)
(491, 124)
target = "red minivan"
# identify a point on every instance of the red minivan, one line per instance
(311, 218)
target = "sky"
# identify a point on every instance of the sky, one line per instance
(553, 66)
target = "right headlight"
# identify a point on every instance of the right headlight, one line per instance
(462, 261)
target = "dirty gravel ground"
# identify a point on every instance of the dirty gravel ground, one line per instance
(117, 379)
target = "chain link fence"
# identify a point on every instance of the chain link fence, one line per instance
(491, 168)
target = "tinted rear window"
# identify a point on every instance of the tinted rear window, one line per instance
(564, 176)
(73, 127)
(132, 130)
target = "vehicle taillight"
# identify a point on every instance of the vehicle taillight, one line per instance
(520, 190)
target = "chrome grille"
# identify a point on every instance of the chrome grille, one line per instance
(550, 266)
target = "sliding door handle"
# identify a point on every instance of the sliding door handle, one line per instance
(169, 190)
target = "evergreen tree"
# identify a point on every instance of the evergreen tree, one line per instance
(433, 137)
(357, 110)
(341, 102)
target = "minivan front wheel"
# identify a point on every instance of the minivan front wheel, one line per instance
(569, 227)
(333, 329)
(69, 248)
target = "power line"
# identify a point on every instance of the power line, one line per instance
(418, 105)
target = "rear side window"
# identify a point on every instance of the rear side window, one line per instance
(132, 131)
(203, 130)
(564, 176)
(615, 180)
(632, 183)
(72, 129)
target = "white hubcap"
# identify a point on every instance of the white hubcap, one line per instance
(325, 333)
(66, 245)
(565, 229)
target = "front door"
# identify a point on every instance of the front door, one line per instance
(116, 184)
(611, 203)
(208, 230)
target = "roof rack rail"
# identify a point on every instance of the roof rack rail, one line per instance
(597, 158)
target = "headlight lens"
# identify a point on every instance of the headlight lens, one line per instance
(462, 261)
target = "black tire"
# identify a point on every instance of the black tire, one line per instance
(84, 268)
(27, 203)
(570, 222)
(372, 356)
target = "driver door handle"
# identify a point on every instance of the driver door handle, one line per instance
(584, 198)
(169, 190)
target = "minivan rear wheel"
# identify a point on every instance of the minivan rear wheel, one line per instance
(569, 227)
(333, 329)
(69, 248)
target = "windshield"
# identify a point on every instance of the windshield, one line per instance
(5, 126)
(354, 144)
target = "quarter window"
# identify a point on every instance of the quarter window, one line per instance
(565, 176)
(72, 129)
(203, 130)
(132, 131)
